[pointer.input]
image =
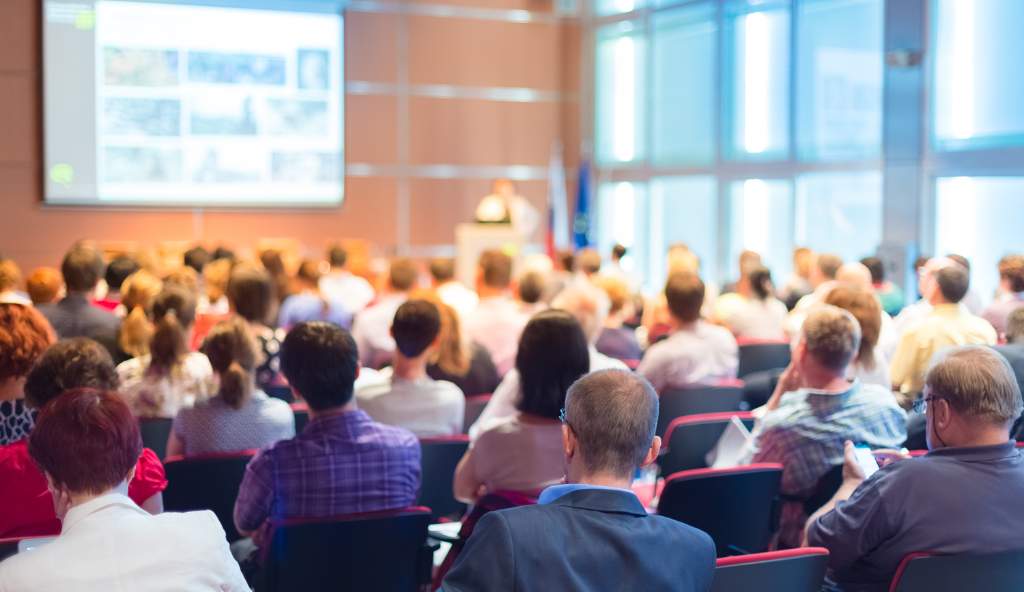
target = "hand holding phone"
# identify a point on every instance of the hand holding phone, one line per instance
(865, 459)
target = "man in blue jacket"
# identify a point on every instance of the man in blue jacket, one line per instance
(591, 533)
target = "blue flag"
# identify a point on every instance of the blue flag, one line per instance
(581, 219)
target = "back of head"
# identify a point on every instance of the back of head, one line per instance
(875, 267)
(682, 260)
(978, 384)
(1015, 326)
(617, 290)
(216, 276)
(321, 362)
(82, 267)
(309, 272)
(415, 327)
(588, 261)
(828, 265)
(197, 257)
(70, 364)
(442, 269)
(25, 336)
(174, 311)
(137, 295)
(566, 259)
(832, 337)
(588, 303)
(232, 351)
(552, 354)
(495, 269)
(749, 260)
(855, 274)
(531, 287)
(803, 260)
(273, 262)
(403, 275)
(684, 293)
(960, 260)
(1011, 271)
(453, 352)
(618, 252)
(953, 281)
(251, 293)
(10, 275)
(43, 285)
(337, 256)
(139, 289)
(222, 252)
(614, 414)
(86, 441)
(760, 279)
(865, 308)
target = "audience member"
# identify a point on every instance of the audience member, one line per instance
(822, 279)
(747, 261)
(343, 462)
(140, 290)
(523, 452)
(1011, 292)
(591, 531)
(758, 314)
(451, 291)
(890, 296)
(26, 507)
(87, 444)
(185, 278)
(214, 298)
(619, 267)
(947, 324)
(870, 366)
(25, 336)
(251, 295)
(273, 262)
(44, 285)
(370, 329)
(10, 284)
(462, 362)
(616, 339)
(118, 270)
(197, 258)
(972, 300)
(695, 352)
(308, 303)
(497, 321)
(354, 292)
(169, 377)
(1013, 351)
(240, 416)
(74, 315)
(530, 291)
(222, 252)
(924, 269)
(960, 498)
(588, 262)
(405, 396)
(798, 284)
(814, 408)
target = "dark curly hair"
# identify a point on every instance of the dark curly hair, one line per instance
(70, 364)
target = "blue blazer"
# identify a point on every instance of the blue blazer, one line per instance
(586, 540)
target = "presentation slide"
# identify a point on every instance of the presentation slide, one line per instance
(192, 103)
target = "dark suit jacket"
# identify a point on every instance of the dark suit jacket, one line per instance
(1014, 354)
(75, 316)
(585, 540)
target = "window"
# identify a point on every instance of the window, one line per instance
(610, 7)
(839, 79)
(840, 213)
(683, 210)
(622, 218)
(978, 74)
(683, 85)
(619, 94)
(980, 218)
(759, 112)
(761, 219)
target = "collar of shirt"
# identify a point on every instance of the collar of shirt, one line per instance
(805, 393)
(344, 421)
(80, 512)
(978, 453)
(554, 492)
(947, 310)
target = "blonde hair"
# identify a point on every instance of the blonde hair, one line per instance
(617, 290)
(10, 275)
(216, 275)
(138, 292)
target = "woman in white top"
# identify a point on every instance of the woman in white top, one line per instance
(757, 314)
(870, 366)
(524, 452)
(168, 377)
(240, 416)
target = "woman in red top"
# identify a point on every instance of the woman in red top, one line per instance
(26, 506)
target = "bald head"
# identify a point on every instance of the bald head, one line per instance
(613, 414)
(856, 275)
(588, 303)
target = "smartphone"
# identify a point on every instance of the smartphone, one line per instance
(865, 459)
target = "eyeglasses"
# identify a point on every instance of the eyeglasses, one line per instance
(563, 419)
(921, 405)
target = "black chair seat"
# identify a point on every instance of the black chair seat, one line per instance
(207, 483)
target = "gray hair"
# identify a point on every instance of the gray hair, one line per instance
(588, 303)
(1015, 326)
(614, 414)
(976, 381)
(832, 336)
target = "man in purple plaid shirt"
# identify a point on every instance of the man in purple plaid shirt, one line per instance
(343, 462)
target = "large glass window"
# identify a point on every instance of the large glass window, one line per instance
(840, 213)
(683, 85)
(839, 79)
(761, 220)
(622, 219)
(758, 116)
(619, 98)
(978, 73)
(682, 210)
(980, 218)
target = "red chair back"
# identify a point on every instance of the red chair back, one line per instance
(738, 507)
(438, 459)
(474, 407)
(792, 570)
(698, 399)
(762, 355)
(925, 572)
(688, 439)
(208, 482)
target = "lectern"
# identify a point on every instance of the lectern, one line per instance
(473, 239)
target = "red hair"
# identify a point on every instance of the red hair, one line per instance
(86, 440)
(25, 336)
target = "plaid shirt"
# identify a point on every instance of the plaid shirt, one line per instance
(340, 464)
(806, 434)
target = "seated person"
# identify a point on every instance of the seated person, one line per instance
(25, 336)
(756, 312)
(523, 452)
(87, 443)
(1011, 293)
(117, 272)
(169, 377)
(1013, 351)
(370, 328)
(343, 462)
(26, 508)
(450, 290)
(963, 497)
(310, 304)
(696, 352)
(593, 530)
(74, 315)
(497, 320)
(870, 365)
(464, 363)
(240, 416)
(616, 339)
(251, 297)
(814, 408)
(353, 291)
(404, 395)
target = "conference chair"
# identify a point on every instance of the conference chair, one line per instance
(792, 570)
(688, 439)
(723, 396)
(738, 507)
(280, 391)
(925, 572)
(207, 482)
(474, 407)
(155, 432)
(371, 551)
(824, 490)
(301, 412)
(760, 355)
(8, 547)
(438, 459)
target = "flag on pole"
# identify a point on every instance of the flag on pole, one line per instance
(581, 220)
(558, 209)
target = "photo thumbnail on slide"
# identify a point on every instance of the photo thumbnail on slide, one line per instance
(194, 104)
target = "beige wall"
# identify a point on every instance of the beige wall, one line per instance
(397, 55)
